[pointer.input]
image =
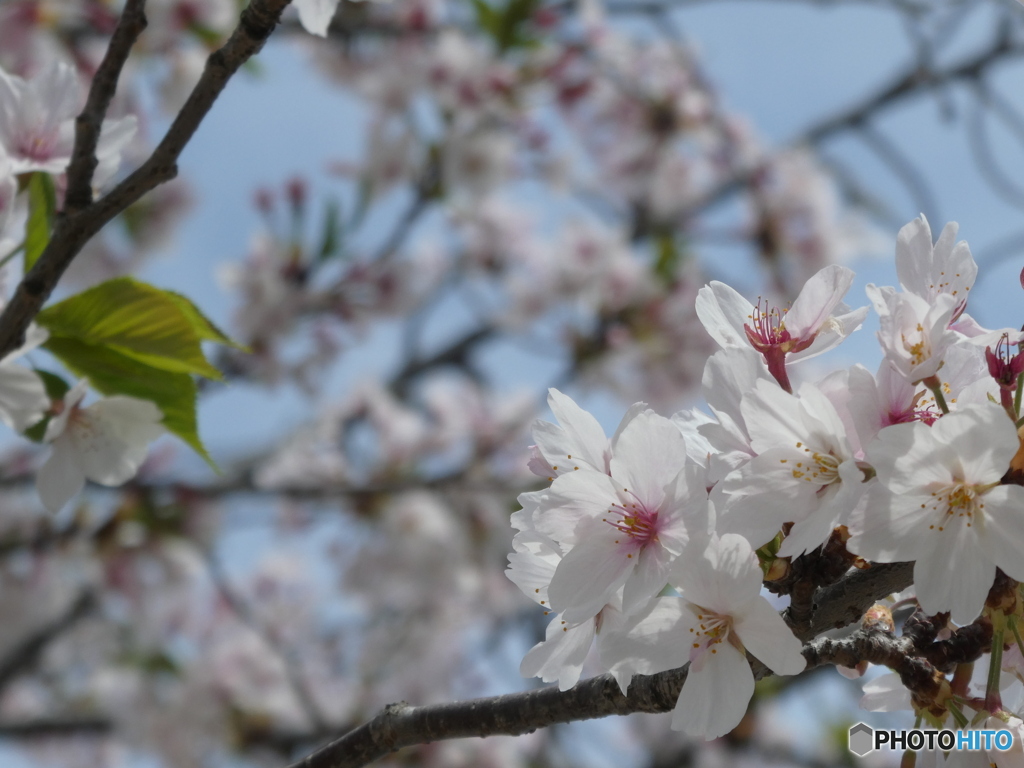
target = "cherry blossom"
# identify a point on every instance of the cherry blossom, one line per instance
(939, 503)
(928, 270)
(624, 529)
(104, 442)
(914, 333)
(37, 123)
(808, 328)
(805, 471)
(720, 616)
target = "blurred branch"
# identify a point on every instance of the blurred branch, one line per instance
(904, 169)
(55, 726)
(75, 227)
(908, 83)
(981, 147)
(245, 615)
(31, 647)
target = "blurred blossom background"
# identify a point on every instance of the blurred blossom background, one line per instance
(417, 225)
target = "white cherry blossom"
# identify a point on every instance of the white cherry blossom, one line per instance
(720, 616)
(577, 440)
(914, 332)
(808, 328)
(105, 442)
(623, 530)
(939, 503)
(805, 471)
(928, 270)
(37, 123)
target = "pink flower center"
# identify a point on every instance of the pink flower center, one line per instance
(636, 521)
(767, 327)
(36, 146)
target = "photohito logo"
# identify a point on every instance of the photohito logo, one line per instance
(864, 739)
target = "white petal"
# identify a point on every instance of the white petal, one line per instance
(648, 578)
(956, 576)
(112, 437)
(23, 400)
(725, 579)
(590, 573)
(1001, 532)
(561, 654)
(715, 698)
(817, 299)
(316, 15)
(886, 693)
(648, 455)
(766, 636)
(651, 641)
(585, 437)
(573, 497)
(724, 312)
(60, 477)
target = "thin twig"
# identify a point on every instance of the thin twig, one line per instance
(101, 92)
(31, 647)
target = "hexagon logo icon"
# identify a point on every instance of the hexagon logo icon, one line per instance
(861, 739)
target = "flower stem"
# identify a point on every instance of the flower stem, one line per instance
(993, 701)
(1017, 395)
(958, 715)
(962, 678)
(1016, 634)
(933, 383)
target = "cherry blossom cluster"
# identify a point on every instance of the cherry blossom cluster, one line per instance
(656, 541)
(556, 192)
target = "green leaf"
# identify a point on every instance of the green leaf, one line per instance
(201, 324)
(113, 373)
(42, 205)
(155, 327)
(55, 386)
(508, 25)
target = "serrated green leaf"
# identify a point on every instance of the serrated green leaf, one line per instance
(42, 204)
(201, 324)
(113, 373)
(160, 329)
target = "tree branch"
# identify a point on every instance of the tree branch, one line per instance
(101, 92)
(31, 647)
(76, 227)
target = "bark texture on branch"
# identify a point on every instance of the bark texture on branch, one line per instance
(76, 226)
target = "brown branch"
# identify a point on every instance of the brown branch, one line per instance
(402, 725)
(76, 227)
(101, 92)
